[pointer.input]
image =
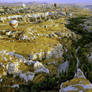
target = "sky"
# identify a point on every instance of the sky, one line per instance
(51, 1)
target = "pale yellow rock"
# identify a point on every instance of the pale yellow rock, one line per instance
(78, 84)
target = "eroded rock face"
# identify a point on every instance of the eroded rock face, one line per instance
(90, 57)
(63, 67)
(14, 63)
(89, 53)
(24, 64)
(88, 25)
(31, 54)
(78, 84)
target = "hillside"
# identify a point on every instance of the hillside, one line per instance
(49, 51)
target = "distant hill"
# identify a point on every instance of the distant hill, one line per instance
(88, 6)
(20, 3)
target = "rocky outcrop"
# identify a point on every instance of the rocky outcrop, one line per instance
(78, 84)
(12, 62)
